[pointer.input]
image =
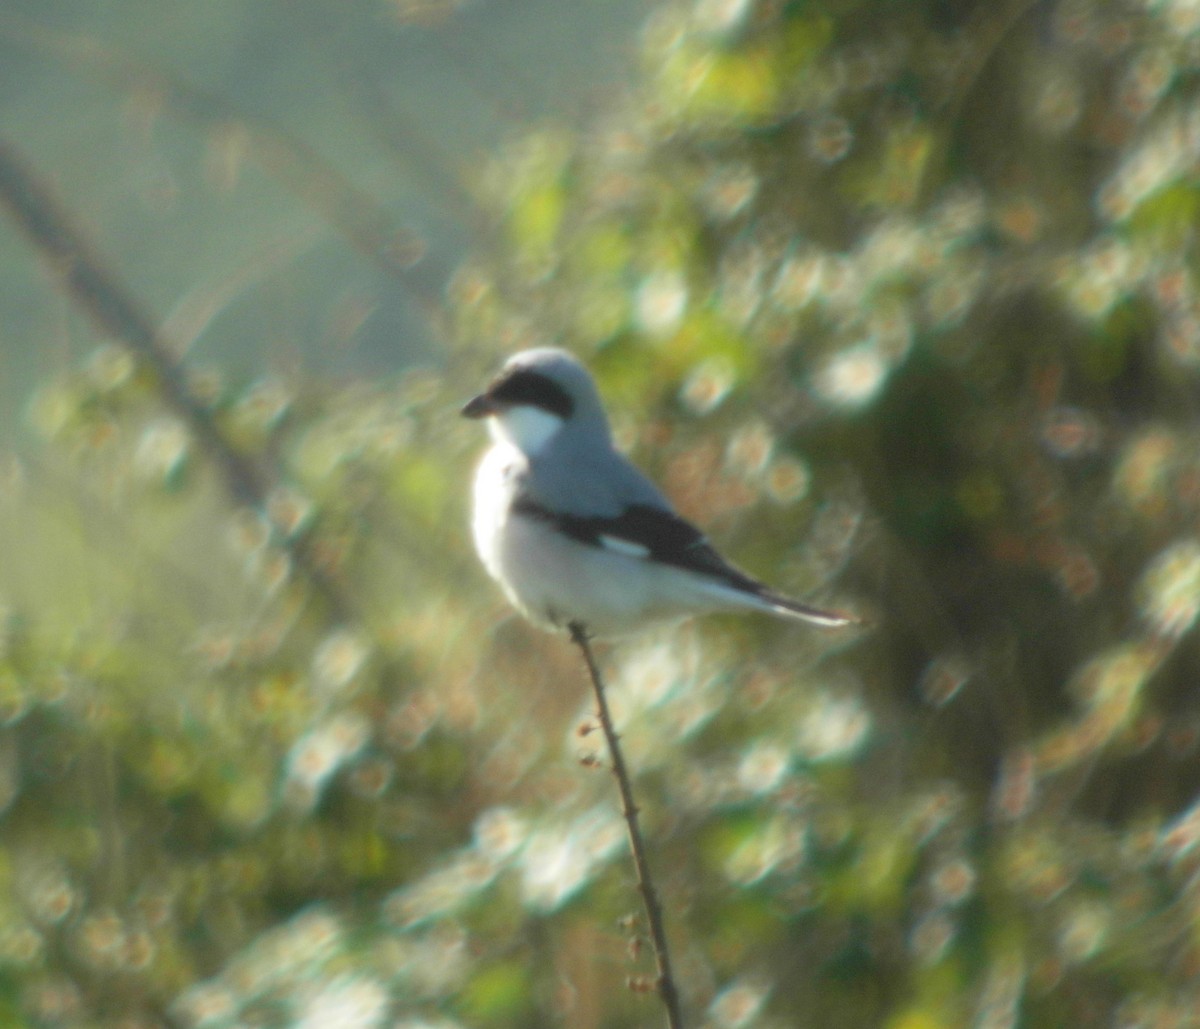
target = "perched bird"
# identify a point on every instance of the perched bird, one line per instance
(576, 536)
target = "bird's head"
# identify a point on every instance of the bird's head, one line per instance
(539, 396)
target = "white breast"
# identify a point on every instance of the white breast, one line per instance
(494, 483)
(528, 429)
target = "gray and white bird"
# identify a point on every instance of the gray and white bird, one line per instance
(574, 534)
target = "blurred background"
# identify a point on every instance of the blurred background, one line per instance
(899, 301)
(196, 143)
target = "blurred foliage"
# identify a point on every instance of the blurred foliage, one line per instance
(900, 301)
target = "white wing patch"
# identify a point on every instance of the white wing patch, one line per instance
(624, 546)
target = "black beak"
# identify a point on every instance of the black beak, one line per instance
(479, 407)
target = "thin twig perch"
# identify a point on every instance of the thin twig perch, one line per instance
(658, 936)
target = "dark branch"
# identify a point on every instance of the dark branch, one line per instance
(114, 311)
(658, 936)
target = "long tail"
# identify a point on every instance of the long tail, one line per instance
(741, 591)
(718, 580)
(789, 608)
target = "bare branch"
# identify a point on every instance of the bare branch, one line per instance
(658, 936)
(114, 311)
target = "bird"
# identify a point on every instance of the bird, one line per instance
(577, 537)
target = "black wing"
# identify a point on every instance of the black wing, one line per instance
(650, 533)
(653, 534)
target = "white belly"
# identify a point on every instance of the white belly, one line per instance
(553, 580)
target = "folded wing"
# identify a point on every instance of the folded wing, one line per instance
(650, 533)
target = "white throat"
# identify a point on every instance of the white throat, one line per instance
(527, 428)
